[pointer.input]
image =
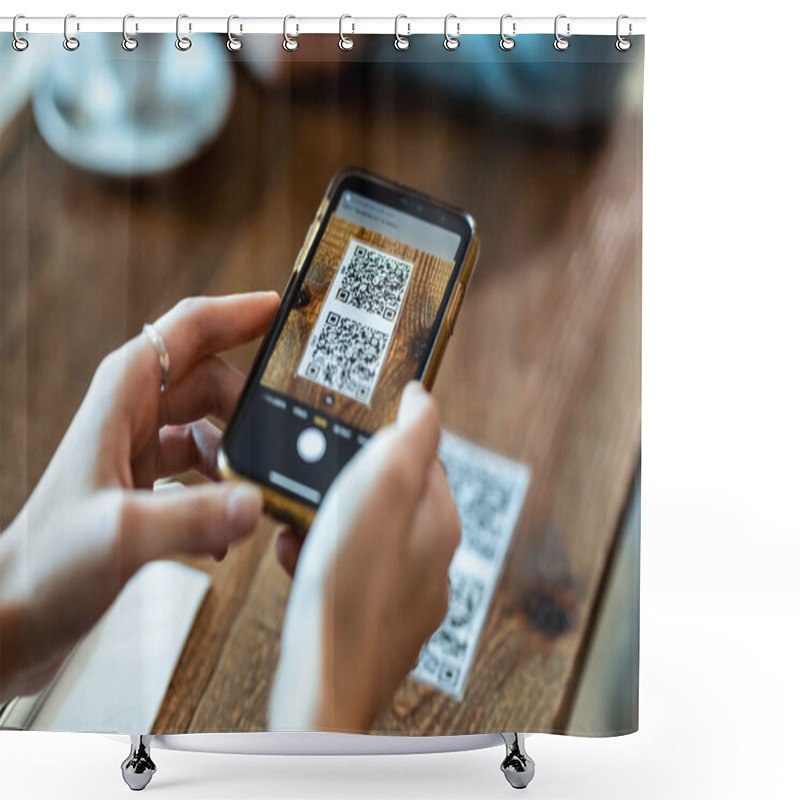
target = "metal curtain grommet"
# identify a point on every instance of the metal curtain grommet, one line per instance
(401, 42)
(182, 42)
(18, 43)
(233, 44)
(290, 43)
(506, 42)
(345, 42)
(561, 43)
(622, 44)
(70, 42)
(451, 42)
(129, 43)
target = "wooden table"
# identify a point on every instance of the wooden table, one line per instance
(544, 366)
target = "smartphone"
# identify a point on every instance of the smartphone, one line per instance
(370, 305)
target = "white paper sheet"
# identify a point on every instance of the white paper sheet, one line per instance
(116, 678)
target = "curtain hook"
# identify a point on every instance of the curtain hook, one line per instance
(623, 44)
(451, 42)
(18, 43)
(561, 43)
(129, 43)
(182, 42)
(401, 42)
(506, 42)
(70, 42)
(345, 42)
(290, 43)
(233, 44)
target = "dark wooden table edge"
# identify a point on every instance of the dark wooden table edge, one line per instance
(562, 716)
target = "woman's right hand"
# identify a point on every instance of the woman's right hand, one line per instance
(370, 583)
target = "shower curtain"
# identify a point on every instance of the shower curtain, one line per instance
(134, 177)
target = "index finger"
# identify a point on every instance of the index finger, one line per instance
(201, 326)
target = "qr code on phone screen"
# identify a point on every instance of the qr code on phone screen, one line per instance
(351, 335)
(345, 355)
(373, 281)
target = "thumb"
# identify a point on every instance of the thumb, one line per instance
(418, 423)
(200, 520)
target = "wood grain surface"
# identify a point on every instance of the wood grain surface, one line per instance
(410, 337)
(544, 365)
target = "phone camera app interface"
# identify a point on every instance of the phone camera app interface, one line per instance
(371, 297)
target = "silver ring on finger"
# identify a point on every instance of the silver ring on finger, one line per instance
(163, 354)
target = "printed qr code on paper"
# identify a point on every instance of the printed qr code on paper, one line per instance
(445, 657)
(373, 281)
(345, 355)
(489, 490)
(482, 497)
(448, 675)
(466, 597)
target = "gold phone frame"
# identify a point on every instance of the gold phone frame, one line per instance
(279, 505)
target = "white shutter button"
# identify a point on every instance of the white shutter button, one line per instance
(311, 445)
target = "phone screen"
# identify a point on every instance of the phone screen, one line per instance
(362, 323)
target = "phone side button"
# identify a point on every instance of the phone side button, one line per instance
(301, 256)
(456, 306)
(289, 284)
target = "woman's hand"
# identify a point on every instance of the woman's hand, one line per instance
(93, 520)
(370, 584)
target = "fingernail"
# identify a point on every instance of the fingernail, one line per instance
(413, 402)
(244, 510)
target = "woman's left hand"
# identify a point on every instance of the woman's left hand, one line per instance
(93, 520)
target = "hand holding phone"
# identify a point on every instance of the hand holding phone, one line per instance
(351, 633)
(370, 306)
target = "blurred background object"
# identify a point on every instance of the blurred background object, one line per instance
(19, 78)
(532, 84)
(134, 113)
